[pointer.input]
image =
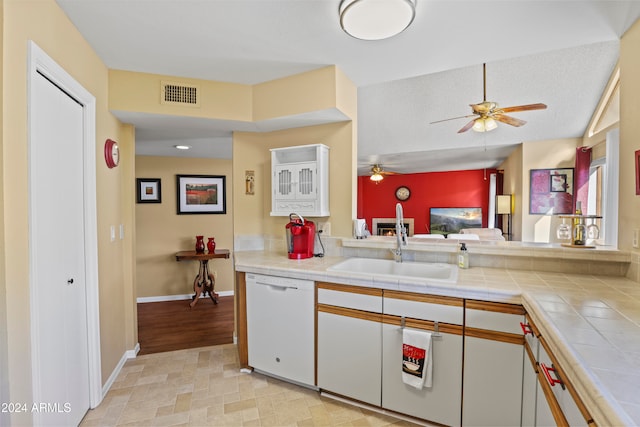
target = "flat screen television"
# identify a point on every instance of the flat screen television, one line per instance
(452, 220)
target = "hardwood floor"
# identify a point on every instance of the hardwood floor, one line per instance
(173, 325)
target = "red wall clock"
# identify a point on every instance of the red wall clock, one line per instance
(111, 153)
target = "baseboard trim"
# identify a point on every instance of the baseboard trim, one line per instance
(162, 298)
(132, 354)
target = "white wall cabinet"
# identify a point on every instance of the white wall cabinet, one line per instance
(300, 180)
(441, 402)
(493, 364)
(350, 342)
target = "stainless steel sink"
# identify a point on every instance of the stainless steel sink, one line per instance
(430, 272)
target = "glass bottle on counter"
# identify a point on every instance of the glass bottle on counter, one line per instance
(463, 256)
(579, 229)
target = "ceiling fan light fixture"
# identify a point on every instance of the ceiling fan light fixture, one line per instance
(484, 124)
(376, 177)
(490, 124)
(478, 125)
(376, 19)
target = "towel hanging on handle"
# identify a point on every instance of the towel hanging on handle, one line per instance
(417, 358)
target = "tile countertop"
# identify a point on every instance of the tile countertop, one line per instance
(592, 323)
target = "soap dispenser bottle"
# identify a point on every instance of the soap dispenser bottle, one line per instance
(463, 256)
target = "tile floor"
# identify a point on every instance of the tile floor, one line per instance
(204, 387)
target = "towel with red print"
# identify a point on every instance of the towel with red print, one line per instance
(413, 359)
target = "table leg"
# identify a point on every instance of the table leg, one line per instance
(198, 283)
(209, 283)
(204, 282)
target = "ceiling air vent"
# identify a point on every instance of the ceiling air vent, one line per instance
(179, 94)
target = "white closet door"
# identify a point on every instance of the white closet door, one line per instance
(58, 260)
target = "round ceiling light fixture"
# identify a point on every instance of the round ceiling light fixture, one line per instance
(376, 19)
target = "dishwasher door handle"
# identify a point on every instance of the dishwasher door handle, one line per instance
(278, 287)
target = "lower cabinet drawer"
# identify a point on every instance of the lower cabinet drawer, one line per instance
(439, 403)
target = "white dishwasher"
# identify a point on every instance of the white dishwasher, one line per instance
(280, 327)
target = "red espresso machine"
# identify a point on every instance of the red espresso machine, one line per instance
(301, 235)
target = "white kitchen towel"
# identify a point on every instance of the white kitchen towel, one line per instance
(417, 360)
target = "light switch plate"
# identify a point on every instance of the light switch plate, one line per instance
(112, 233)
(636, 238)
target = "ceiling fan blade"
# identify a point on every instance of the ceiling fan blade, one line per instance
(509, 120)
(528, 107)
(453, 118)
(467, 126)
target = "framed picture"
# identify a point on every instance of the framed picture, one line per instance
(452, 220)
(551, 191)
(201, 194)
(637, 172)
(148, 190)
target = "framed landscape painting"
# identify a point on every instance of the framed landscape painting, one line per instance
(551, 191)
(201, 194)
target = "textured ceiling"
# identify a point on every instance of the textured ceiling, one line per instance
(557, 52)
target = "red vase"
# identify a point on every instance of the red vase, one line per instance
(199, 244)
(211, 245)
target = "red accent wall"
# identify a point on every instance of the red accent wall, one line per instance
(456, 189)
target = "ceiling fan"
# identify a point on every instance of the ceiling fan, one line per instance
(378, 174)
(487, 113)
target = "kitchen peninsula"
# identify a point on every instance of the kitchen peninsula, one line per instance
(590, 320)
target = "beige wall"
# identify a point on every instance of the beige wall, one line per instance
(319, 90)
(43, 22)
(555, 153)
(251, 152)
(629, 202)
(549, 154)
(131, 91)
(513, 185)
(161, 232)
(306, 92)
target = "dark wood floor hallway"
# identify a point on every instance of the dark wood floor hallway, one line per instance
(173, 325)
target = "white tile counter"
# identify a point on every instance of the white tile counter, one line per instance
(592, 323)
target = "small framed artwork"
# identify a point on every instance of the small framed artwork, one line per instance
(148, 190)
(201, 194)
(551, 191)
(637, 172)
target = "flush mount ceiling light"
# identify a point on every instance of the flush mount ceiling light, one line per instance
(376, 19)
(182, 147)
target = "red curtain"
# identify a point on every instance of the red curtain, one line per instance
(581, 181)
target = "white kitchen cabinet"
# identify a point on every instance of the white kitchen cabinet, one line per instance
(556, 401)
(300, 180)
(552, 378)
(442, 401)
(493, 364)
(350, 342)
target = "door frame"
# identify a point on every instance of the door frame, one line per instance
(40, 63)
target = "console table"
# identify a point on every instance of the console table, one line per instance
(204, 281)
